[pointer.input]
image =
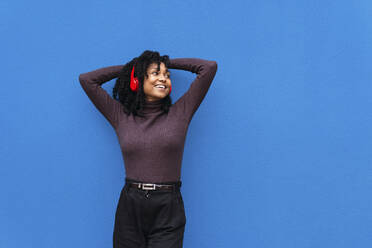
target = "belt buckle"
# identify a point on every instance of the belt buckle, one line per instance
(148, 186)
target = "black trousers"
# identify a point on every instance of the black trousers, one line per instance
(149, 218)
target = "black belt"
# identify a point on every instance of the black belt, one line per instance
(151, 186)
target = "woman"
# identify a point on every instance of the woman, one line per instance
(151, 133)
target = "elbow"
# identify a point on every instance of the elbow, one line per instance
(213, 65)
(81, 78)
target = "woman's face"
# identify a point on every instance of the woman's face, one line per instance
(154, 81)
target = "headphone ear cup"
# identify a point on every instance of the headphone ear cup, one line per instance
(134, 84)
(133, 81)
(170, 89)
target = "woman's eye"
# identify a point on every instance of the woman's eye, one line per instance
(156, 73)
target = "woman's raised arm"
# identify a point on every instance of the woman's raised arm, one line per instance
(91, 83)
(192, 98)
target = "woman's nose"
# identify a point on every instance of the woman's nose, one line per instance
(162, 78)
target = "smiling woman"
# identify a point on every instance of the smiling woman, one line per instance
(150, 211)
(149, 69)
(157, 84)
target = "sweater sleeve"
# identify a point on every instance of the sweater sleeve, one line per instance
(206, 70)
(91, 83)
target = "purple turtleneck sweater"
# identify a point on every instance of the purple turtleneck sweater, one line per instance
(152, 146)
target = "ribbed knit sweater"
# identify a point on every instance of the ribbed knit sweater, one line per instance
(152, 146)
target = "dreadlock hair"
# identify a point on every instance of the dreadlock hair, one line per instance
(133, 102)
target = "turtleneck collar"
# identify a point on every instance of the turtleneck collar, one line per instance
(152, 106)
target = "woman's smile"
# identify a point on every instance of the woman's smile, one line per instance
(161, 87)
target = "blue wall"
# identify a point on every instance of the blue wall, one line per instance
(277, 156)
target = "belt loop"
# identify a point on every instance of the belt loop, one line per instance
(176, 186)
(126, 187)
(174, 189)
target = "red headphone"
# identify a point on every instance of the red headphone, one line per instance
(134, 82)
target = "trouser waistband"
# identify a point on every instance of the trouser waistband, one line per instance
(152, 186)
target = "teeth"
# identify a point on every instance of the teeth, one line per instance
(160, 86)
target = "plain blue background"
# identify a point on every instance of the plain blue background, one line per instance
(277, 156)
